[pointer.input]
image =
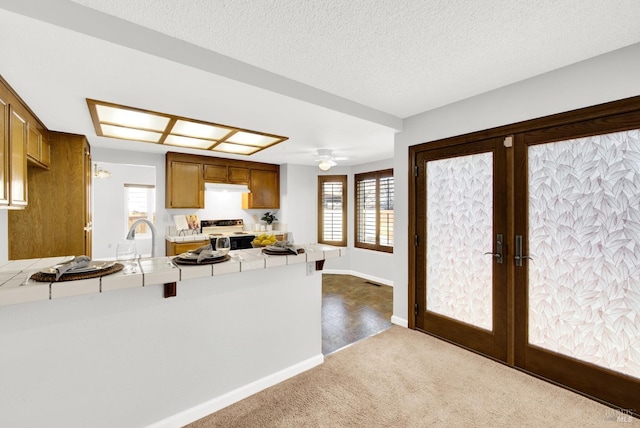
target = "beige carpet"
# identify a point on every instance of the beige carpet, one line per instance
(402, 378)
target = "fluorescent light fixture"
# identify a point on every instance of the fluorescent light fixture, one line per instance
(252, 139)
(130, 134)
(176, 140)
(236, 148)
(131, 118)
(200, 130)
(130, 123)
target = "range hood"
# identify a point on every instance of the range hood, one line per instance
(224, 187)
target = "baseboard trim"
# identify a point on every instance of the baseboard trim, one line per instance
(399, 321)
(359, 275)
(193, 414)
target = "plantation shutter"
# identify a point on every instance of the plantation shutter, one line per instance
(374, 192)
(385, 229)
(332, 210)
(366, 206)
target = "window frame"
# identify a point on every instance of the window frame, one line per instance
(342, 179)
(376, 175)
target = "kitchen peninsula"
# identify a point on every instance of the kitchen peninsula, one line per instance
(114, 352)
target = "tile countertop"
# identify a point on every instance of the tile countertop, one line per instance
(15, 288)
(205, 237)
(187, 238)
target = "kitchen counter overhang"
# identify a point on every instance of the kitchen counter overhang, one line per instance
(15, 289)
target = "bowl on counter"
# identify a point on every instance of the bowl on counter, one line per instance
(263, 240)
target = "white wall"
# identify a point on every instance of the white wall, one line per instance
(130, 358)
(299, 201)
(605, 78)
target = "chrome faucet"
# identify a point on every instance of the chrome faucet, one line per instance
(132, 233)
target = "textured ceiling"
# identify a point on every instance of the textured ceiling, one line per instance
(334, 74)
(400, 57)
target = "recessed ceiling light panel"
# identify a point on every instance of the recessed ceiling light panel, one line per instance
(199, 130)
(177, 140)
(235, 148)
(130, 133)
(129, 123)
(252, 139)
(131, 118)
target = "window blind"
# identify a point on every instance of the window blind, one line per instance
(332, 207)
(332, 210)
(374, 193)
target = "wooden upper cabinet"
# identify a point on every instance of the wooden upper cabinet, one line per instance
(186, 175)
(4, 153)
(17, 159)
(45, 151)
(238, 175)
(34, 141)
(215, 173)
(23, 138)
(184, 185)
(226, 174)
(38, 153)
(265, 190)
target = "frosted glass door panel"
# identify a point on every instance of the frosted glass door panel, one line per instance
(459, 232)
(584, 235)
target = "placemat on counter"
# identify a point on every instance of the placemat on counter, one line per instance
(194, 262)
(281, 253)
(70, 276)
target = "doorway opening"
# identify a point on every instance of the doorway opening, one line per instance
(131, 195)
(353, 309)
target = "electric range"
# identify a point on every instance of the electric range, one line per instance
(234, 229)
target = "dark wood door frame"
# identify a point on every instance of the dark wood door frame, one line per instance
(612, 116)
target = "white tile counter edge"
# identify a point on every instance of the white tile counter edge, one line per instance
(160, 270)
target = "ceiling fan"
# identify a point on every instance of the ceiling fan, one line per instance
(326, 160)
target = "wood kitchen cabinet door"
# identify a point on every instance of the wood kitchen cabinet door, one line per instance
(175, 248)
(184, 185)
(4, 153)
(37, 146)
(17, 159)
(215, 173)
(34, 141)
(238, 175)
(265, 190)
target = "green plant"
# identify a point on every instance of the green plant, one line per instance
(269, 217)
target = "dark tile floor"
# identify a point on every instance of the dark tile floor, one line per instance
(352, 309)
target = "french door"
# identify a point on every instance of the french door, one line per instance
(577, 257)
(527, 250)
(461, 233)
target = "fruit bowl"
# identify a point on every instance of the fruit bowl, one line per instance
(263, 240)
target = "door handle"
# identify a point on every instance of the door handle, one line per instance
(498, 253)
(519, 257)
